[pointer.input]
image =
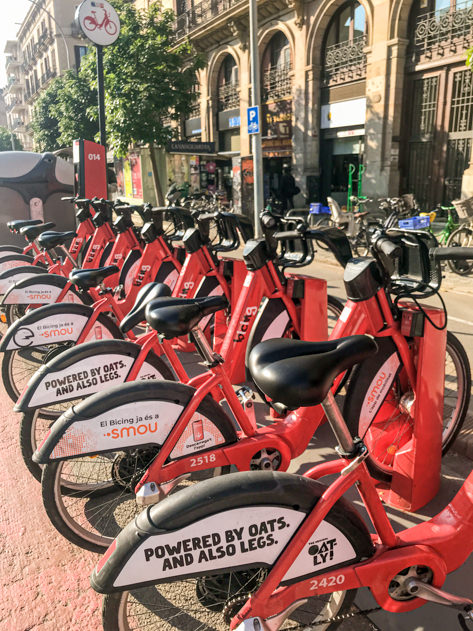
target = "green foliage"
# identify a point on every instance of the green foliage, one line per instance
(6, 140)
(61, 113)
(148, 79)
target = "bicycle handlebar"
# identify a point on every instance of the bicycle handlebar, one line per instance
(387, 247)
(451, 254)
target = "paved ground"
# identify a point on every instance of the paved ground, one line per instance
(44, 579)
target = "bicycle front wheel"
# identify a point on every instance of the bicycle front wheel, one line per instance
(461, 237)
(205, 604)
(391, 427)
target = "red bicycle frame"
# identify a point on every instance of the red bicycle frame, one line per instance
(441, 544)
(291, 436)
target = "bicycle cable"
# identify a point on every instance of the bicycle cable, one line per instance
(407, 294)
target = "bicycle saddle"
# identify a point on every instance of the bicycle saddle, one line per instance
(173, 317)
(16, 224)
(33, 232)
(149, 292)
(298, 373)
(88, 278)
(52, 239)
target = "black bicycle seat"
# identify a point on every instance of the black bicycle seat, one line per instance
(32, 232)
(173, 317)
(298, 373)
(88, 278)
(52, 239)
(16, 224)
(149, 292)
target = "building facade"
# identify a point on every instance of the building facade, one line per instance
(376, 87)
(47, 44)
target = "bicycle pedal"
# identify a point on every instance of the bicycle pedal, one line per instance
(434, 594)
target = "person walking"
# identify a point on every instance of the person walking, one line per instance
(287, 189)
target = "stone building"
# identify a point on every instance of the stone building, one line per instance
(47, 44)
(378, 83)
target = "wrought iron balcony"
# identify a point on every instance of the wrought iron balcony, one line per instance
(345, 62)
(228, 96)
(441, 33)
(199, 13)
(195, 109)
(277, 83)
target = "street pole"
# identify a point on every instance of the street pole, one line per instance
(101, 95)
(256, 101)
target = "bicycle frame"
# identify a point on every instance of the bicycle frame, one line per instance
(291, 437)
(438, 544)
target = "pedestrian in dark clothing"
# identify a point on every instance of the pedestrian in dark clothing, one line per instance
(287, 189)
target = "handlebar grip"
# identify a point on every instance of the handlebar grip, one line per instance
(289, 234)
(68, 199)
(387, 247)
(451, 254)
(82, 201)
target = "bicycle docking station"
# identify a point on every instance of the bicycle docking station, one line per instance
(416, 465)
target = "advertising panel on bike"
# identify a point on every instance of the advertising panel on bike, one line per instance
(98, 21)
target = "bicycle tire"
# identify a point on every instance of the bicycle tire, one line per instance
(36, 356)
(102, 500)
(390, 424)
(461, 237)
(186, 604)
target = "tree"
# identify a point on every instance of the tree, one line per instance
(148, 80)
(61, 113)
(6, 137)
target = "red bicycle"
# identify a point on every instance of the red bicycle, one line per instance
(199, 438)
(269, 551)
(91, 23)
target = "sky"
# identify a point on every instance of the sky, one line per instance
(11, 12)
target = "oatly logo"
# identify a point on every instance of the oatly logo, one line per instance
(322, 551)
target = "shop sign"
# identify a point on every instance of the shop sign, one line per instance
(234, 121)
(343, 113)
(278, 119)
(194, 148)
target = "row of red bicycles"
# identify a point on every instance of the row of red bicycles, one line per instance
(135, 352)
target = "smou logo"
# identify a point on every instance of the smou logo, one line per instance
(131, 431)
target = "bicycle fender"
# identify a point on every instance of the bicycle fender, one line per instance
(51, 324)
(39, 290)
(15, 260)
(86, 369)
(271, 321)
(135, 414)
(6, 250)
(11, 276)
(227, 524)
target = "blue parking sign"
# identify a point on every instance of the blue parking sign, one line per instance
(253, 120)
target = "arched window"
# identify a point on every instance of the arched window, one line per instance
(228, 85)
(277, 65)
(344, 59)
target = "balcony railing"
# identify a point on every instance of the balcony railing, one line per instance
(345, 62)
(195, 110)
(440, 33)
(199, 13)
(277, 83)
(228, 96)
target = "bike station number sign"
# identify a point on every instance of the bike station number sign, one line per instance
(99, 21)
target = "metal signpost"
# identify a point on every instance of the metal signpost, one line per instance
(254, 119)
(100, 23)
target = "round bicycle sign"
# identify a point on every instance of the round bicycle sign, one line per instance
(99, 21)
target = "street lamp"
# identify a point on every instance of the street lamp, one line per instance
(40, 6)
(256, 101)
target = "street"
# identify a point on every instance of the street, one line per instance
(44, 579)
